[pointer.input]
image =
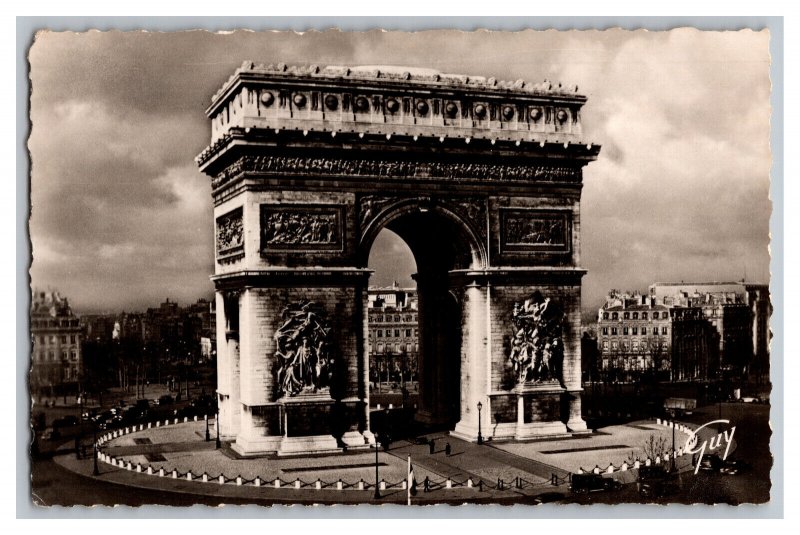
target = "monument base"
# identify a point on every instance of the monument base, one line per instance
(354, 440)
(308, 445)
(256, 446)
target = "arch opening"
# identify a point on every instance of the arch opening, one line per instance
(438, 244)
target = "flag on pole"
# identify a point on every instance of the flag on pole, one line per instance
(412, 481)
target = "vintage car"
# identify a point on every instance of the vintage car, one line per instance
(582, 483)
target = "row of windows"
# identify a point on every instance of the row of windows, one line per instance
(379, 333)
(635, 345)
(635, 330)
(42, 324)
(397, 348)
(635, 315)
(388, 318)
(51, 339)
(51, 356)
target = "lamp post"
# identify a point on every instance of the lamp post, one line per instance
(95, 471)
(218, 445)
(377, 494)
(208, 435)
(480, 437)
(673, 446)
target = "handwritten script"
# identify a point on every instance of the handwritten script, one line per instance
(725, 438)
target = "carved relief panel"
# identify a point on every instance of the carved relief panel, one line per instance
(537, 345)
(230, 235)
(302, 227)
(535, 230)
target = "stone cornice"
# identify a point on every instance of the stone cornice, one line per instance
(390, 78)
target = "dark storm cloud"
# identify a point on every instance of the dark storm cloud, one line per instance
(122, 218)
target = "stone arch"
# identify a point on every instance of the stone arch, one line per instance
(467, 231)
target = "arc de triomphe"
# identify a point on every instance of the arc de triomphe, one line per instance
(481, 178)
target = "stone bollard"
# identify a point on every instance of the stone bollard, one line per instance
(160, 472)
(189, 476)
(195, 417)
(383, 484)
(469, 483)
(176, 420)
(238, 481)
(379, 406)
(610, 469)
(658, 421)
(339, 485)
(149, 470)
(139, 468)
(391, 406)
(221, 479)
(318, 485)
(361, 485)
(149, 425)
(647, 462)
(277, 483)
(185, 419)
(449, 483)
(174, 474)
(205, 477)
(158, 424)
(658, 460)
(297, 483)
(403, 484)
(129, 466)
(257, 482)
(624, 466)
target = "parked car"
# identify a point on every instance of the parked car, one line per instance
(582, 483)
(66, 421)
(711, 463)
(734, 467)
(655, 482)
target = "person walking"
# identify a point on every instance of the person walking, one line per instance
(447, 449)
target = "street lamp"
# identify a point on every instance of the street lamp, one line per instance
(208, 435)
(377, 494)
(95, 471)
(216, 422)
(480, 437)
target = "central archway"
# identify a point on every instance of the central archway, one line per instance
(441, 242)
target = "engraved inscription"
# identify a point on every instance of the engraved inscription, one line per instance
(301, 227)
(230, 233)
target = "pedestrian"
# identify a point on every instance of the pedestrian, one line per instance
(432, 446)
(447, 449)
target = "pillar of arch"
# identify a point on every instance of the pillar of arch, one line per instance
(482, 179)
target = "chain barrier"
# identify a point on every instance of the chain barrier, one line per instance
(429, 484)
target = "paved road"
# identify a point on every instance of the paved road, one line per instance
(752, 437)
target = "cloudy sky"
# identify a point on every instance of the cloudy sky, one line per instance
(121, 218)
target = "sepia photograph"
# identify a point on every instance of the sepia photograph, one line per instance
(417, 268)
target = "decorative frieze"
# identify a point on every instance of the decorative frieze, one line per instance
(285, 165)
(533, 230)
(301, 227)
(230, 234)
